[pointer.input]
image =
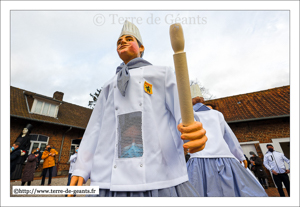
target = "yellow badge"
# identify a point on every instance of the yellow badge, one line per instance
(148, 87)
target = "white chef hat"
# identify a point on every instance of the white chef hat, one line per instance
(195, 91)
(130, 29)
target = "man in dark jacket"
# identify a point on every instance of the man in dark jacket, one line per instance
(248, 161)
(258, 169)
(15, 153)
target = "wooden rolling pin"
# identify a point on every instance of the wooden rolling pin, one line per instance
(182, 74)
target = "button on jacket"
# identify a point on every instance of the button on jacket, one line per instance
(275, 161)
(49, 161)
(138, 119)
(221, 140)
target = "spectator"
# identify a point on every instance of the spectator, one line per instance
(39, 157)
(28, 173)
(49, 162)
(72, 161)
(258, 169)
(15, 153)
(248, 162)
(274, 162)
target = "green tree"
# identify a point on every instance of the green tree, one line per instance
(95, 98)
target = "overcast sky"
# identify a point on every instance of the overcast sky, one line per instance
(229, 52)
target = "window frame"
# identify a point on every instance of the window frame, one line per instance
(39, 142)
(35, 102)
(75, 145)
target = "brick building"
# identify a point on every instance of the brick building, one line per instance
(259, 118)
(256, 118)
(54, 121)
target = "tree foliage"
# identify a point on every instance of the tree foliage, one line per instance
(95, 98)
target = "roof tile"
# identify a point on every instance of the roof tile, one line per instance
(261, 104)
(68, 114)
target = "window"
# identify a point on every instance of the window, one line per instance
(38, 141)
(75, 143)
(44, 108)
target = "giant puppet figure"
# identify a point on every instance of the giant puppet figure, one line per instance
(24, 140)
(216, 170)
(132, 145)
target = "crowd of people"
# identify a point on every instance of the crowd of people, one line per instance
(19, 154)
(136, 145)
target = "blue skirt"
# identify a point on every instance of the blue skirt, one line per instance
(222, 177)
(182, 190)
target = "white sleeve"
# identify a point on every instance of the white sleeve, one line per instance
(88, 144)
(72, 158)
(286, 160)
(233, 143)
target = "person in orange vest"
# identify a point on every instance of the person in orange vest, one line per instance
(49, 162)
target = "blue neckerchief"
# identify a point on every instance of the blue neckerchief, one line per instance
(135, 150)
(200, 107)
(124, 75)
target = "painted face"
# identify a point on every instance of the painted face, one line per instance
(128, 48)
(25, 130)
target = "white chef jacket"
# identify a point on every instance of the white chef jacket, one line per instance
(275, 161)
(162, 163)
(72, 161)
(221, 140)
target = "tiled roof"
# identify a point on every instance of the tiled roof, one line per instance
(262, 104)
(68, 114)
(274, 102)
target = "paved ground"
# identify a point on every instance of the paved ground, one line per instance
(273, 192)
(62, 181)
